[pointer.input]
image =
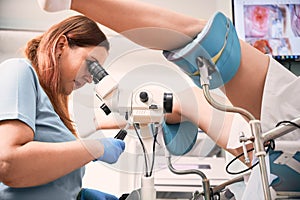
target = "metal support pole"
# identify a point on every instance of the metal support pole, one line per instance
(256, 132)
(204, 65)
(260, 153)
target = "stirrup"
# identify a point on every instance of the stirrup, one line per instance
(217, 42)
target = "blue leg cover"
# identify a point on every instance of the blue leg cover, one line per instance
(180, 138)
(217, 42)
(91, 194)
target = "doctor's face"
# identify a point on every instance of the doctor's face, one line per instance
(74, 70)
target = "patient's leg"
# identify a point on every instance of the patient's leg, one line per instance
(146, 24)
(246, 88)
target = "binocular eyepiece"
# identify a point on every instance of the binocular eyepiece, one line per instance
(96, 70)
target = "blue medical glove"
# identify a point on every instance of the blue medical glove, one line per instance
(90, 194)
(112, 149)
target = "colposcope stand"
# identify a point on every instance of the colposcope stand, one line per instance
(147, 107)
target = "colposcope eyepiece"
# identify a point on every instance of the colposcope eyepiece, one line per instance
(96, 70)
(107, 85)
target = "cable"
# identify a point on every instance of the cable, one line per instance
(237, 157)
(270, 144)
(144, 149)
(287, 122)
(155, 133)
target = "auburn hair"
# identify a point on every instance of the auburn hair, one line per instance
(80, 32)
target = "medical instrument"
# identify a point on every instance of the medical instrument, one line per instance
(99, 73)
(121, 134)
(258, 138)
(255, 124)
(107, 86)
(144, 110)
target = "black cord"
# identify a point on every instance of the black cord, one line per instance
(144, 149)
(237, 157)
(270, 145)
(287, 122)
(155, 133)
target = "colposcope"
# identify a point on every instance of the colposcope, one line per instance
(144, 110)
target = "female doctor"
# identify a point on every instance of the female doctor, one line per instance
(41, 155)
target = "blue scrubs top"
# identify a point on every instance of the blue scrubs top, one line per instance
(22, 98)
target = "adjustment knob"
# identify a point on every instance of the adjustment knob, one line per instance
(144, 97)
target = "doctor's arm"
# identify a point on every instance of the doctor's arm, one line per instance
(25, 163)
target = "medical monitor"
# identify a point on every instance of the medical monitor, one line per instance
(272, 26)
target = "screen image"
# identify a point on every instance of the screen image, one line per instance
(271, 26)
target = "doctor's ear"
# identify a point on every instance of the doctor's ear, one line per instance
(62, 42)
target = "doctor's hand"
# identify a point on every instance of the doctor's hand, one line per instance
(112, 150)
